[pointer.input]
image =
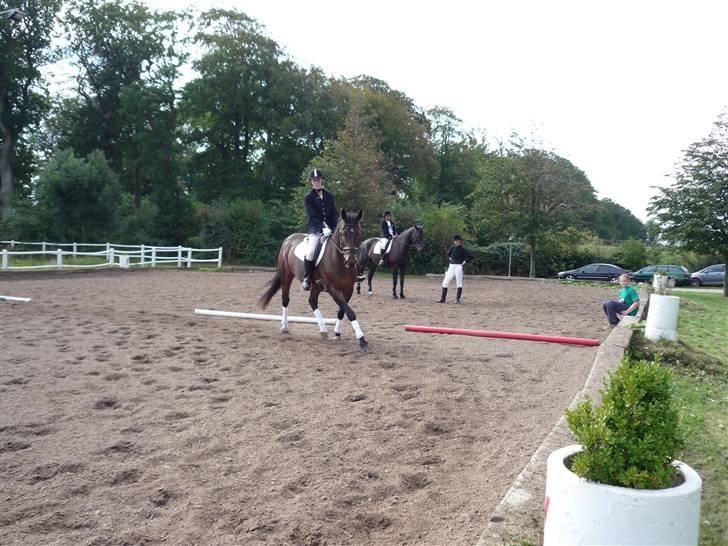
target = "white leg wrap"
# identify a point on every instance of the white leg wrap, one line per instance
(337, 326)
(284, 317)
(320, 320)
(357, 329)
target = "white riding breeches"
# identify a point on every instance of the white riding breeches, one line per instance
(455, 270)
(313, 239)
(385, 243)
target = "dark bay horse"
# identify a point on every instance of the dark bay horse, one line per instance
(335, 273)
(397, 258)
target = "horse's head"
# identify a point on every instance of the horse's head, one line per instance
(349, 232)
(417, 239)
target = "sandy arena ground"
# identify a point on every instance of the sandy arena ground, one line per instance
(126, 419)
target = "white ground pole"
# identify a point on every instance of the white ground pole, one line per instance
(11, 298)
(257, 316)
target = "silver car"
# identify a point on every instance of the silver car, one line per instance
(713, 275)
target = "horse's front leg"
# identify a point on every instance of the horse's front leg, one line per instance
(345, 309)
(394, 283)
(313, 302)
(339, 322)
(401, 281)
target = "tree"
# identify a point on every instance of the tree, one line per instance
(128, 63)
(527, 192)
(694, 210)
(355, 168)
(79, 196)
(24, 50)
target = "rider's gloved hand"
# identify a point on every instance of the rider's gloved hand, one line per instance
(327, 231)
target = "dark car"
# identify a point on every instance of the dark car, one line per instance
(713, 275)
(677, 275)
(594, 272)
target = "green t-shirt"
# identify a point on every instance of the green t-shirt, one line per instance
(629, 295)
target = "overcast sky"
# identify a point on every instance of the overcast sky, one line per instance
(619, 87)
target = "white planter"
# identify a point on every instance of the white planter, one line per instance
(582, 512)
(662, 318)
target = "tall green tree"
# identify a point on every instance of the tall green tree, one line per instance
(355, 168)
(128, 59)
(527, 192)
(460, 157)
(80, 197)
(694, 210)
(25, 47)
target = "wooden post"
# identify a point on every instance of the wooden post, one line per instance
(189, 258)
(219, 257)
(5, 259)
(59, 258)
(179, 255)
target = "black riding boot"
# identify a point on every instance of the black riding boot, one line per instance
(443, 296)
(457, 295)
(307, 271)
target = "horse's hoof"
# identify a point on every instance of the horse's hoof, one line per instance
(284, 329)
(401, 296)
(324, 335)
(394, 296)
(364, 346)
(337, 335)
(370, 293)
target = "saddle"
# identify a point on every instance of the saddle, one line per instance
(301, 250)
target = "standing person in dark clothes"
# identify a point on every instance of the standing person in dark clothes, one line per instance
(322, 219)
(389, 233)
(459, 256)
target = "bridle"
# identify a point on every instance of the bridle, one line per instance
(344, 251)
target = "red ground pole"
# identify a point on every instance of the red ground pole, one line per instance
(503, 335)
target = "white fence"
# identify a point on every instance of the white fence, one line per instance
(112, 255)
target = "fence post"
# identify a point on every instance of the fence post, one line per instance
(219, 257)
(110, 256)
(59, 258)
(189, 258)
(179, 255)
(43, 248)
(12, 245)
(75, 249)
(154, 256)
(5, 258)
(142, 253)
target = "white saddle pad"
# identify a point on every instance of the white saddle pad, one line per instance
(379, 246)
(301, 250)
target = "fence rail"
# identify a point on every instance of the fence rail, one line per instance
(112, 254)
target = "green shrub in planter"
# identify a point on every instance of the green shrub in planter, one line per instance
(633, 437)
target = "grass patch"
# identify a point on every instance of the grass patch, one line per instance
(51, 262)
(700, 362)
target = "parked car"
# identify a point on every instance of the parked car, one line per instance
(594, 272)
(713, 275)
(677, 275)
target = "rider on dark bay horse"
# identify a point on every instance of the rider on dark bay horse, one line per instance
(322, 218)
(389, 233)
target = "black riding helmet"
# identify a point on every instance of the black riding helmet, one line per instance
(316, 173)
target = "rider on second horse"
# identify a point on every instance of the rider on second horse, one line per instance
(389, 233)
(322, 218)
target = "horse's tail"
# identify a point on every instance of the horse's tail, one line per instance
(274, 285)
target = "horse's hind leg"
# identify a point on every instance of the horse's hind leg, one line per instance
(313, 302)
(285, 300)
(370, 275)
(394, 282)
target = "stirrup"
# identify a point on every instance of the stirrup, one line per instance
(381, 262)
